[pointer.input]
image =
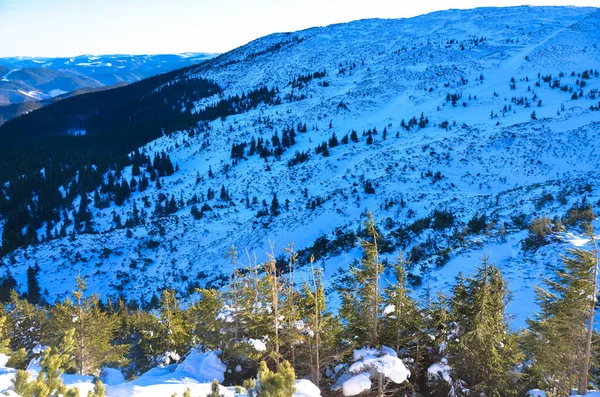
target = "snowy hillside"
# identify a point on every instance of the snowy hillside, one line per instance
(491, 111)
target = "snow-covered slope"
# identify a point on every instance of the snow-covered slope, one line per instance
(507, 140)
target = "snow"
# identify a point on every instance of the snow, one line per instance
(498, 166)
(196, 372)
(204, 367)
(111, 376)
(257, 344)
(389, 309)
(33, 94)
(442, 370)
(359, 354)
(356, 385)
(56, 92)
(369, 362)
(305, 388)
(540, 393)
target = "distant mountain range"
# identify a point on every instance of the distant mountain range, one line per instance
(39, 81)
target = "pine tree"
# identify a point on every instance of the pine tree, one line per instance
(99, 389)
(94, 330)
(276, 384)
(53, 363)
(206, 328)
(28, 322)
(361, 300)
(274, 205)
(34, 294)
(484, 353)
(557, 336)
(84, 216)
(403, 321)
(4, 332)
(175, 329)
(215, 391)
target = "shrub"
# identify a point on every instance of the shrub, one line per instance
(276, 384)
(442, 219)
(538, 232)
(579, 213)
(477, 223)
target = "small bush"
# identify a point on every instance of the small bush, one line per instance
(579, 213)
(442, 219)
(276, 384)
(477, 223)
(538, 233)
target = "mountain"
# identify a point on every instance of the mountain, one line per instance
(44, 79)
(456, 128)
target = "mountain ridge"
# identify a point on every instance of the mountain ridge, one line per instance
(368, 76)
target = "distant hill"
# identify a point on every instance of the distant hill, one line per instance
(40, 79)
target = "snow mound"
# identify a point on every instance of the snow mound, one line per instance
(357, 384)
(536, 393)
(305, 388)
(111, 376)
(204, 367)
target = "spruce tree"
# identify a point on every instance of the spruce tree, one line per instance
(361, 297)
(34, 294)
(174, 327)
(28, 323)
(557, 335)
(94, 330)
(403, 321)
(274, 205)
(99, 389)
(53, 363)
(215, 391)
(484, 353)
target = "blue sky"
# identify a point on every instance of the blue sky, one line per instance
(72, 27)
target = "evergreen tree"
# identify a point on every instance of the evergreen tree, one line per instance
(276, 384)
(84, 216)
(361, 299)
(94, 330)
(53, 363)
(484, 353)
(403, 322)
(224, 195)
(274, 205)
(99, 389)
(34, 294)
(556, 340)
(174, 327)
(215, 391)
(27, 321)
(7, 284)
